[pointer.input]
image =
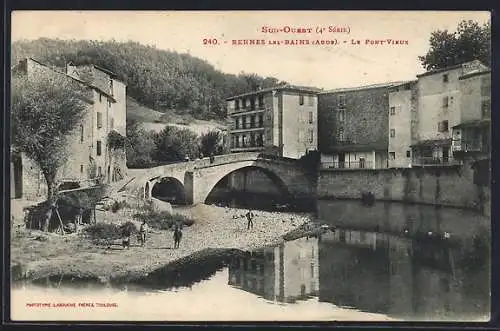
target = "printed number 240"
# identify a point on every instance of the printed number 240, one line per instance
(210, 42)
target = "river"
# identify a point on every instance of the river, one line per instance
(389, 261)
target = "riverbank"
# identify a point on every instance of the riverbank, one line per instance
(37, 255)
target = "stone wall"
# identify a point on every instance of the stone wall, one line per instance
(366, 118)
(445, 186)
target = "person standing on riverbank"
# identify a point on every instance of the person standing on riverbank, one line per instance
(143, 232)
(249, 216)
(177, 236)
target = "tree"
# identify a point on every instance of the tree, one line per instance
(45, 111)
(470, 42)
(210, 142)
(140, 145)
(174, 144)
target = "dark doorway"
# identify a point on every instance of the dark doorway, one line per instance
(362, 162)
(17, 177)
(446, 154)
(341, 160)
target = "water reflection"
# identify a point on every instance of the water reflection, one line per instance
(379, 259)
(286, 273)
(406, 278)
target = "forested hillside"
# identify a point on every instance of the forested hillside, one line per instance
(162, 80)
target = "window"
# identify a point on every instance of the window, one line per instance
(408, 153)
(311, 100)
(99, 120)
(109, 103)
(341, 100)
(261, 101)
(111, 86)
(392, 155)
(341, 134)
(252, 103)
(445, 78)
(393, 133)
(311, 135)
(486, 108)
(99, 171)
(486, 86)
(443, 126)
(445, 102)
(81, 133)
(243, 103)
(393, 110)
(237, 104)
(301, 99)
(310, 117)
(341, 115)
(112, 123)
(100, 97)
(81, 168)
(99, 147)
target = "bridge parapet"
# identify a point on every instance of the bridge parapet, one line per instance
(184, 172)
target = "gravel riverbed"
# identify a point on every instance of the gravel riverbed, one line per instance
(215, 227)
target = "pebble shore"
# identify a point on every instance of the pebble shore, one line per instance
(215, 228)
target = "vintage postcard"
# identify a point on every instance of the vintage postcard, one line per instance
(250, 166)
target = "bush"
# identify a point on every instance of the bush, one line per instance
(106, 231)
(162, 220)
(109, 231)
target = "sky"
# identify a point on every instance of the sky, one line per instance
(325, 66)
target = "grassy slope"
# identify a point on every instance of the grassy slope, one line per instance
(155, 120)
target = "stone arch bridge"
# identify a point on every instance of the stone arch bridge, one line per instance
(199, 177)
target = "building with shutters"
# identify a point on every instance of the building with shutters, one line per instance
(280, 120)
(89, 156)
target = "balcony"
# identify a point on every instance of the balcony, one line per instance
(347, 165)
(248, 127)
(247, 110)
(470, 146)
(433, 161)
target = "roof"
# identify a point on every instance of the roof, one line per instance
(288, 87)
(109, 72)
(365, 87)
(432, 142)
(404, 83)
(456, 66)
(76, 79)
(473, 123)
(475, 73)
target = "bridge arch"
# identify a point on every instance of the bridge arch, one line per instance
(169, 189)
(204, 179)
(236, 182)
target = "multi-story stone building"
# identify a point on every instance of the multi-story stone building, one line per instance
(89, 155)
(472, 135)
(439, 110)
(353, 127)
(402, 123)
(281, 120)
